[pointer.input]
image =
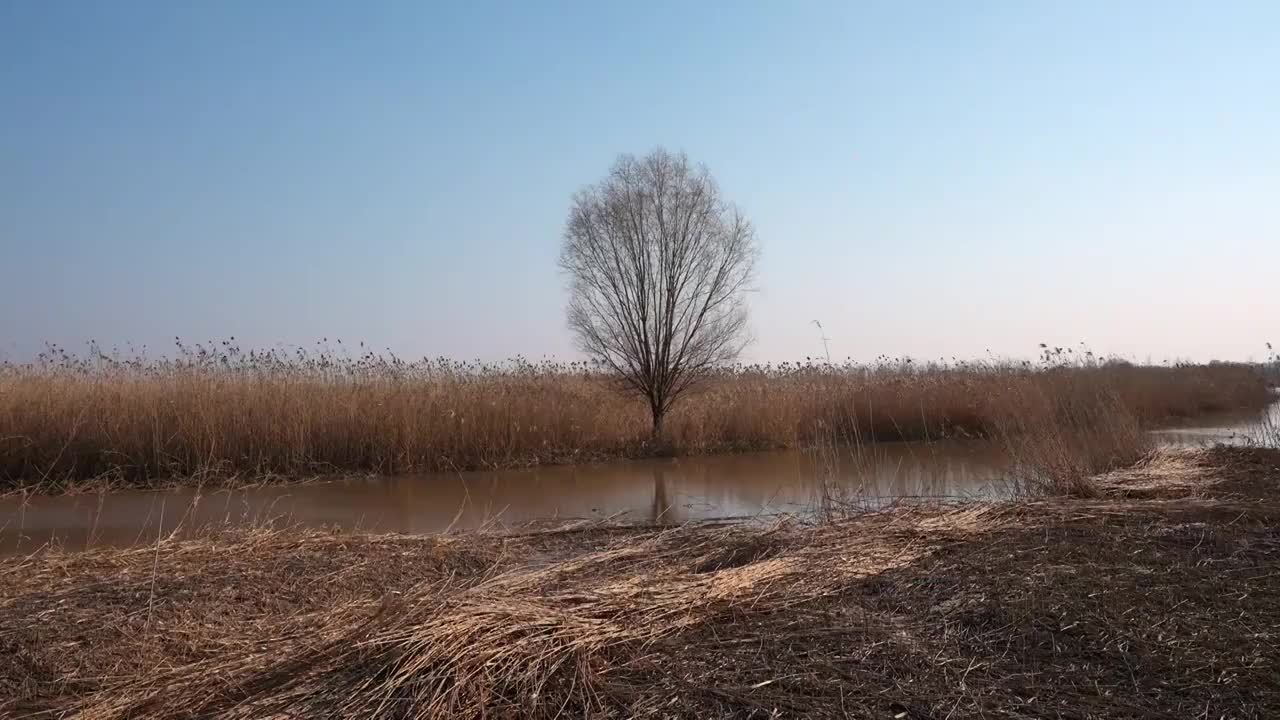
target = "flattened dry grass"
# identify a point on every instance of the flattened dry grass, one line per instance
(223, 416)
(1125, 606)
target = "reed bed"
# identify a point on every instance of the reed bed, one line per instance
(1159, 599)
(218, 414)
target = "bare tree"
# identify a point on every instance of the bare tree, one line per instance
(659, 265)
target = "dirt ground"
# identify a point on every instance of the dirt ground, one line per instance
(1160, 598)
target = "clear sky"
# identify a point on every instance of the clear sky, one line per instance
(927, 178)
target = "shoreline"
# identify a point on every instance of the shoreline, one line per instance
(1157, 596)
(111, 483)
(226, 419)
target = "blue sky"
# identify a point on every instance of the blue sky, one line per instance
(932, 179)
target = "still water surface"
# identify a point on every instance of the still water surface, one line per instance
(664, 491)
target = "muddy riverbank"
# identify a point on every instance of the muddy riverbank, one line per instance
(1159, 597)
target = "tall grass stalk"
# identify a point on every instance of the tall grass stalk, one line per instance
(215, 413)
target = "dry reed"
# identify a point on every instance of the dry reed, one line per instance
(219, 414)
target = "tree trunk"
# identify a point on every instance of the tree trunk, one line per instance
(658, 414)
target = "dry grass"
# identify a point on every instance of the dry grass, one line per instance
(1266, 433)
(1136, 605)
(1093, 430)
(217, 414)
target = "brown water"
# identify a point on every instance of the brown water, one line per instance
(664, 491)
